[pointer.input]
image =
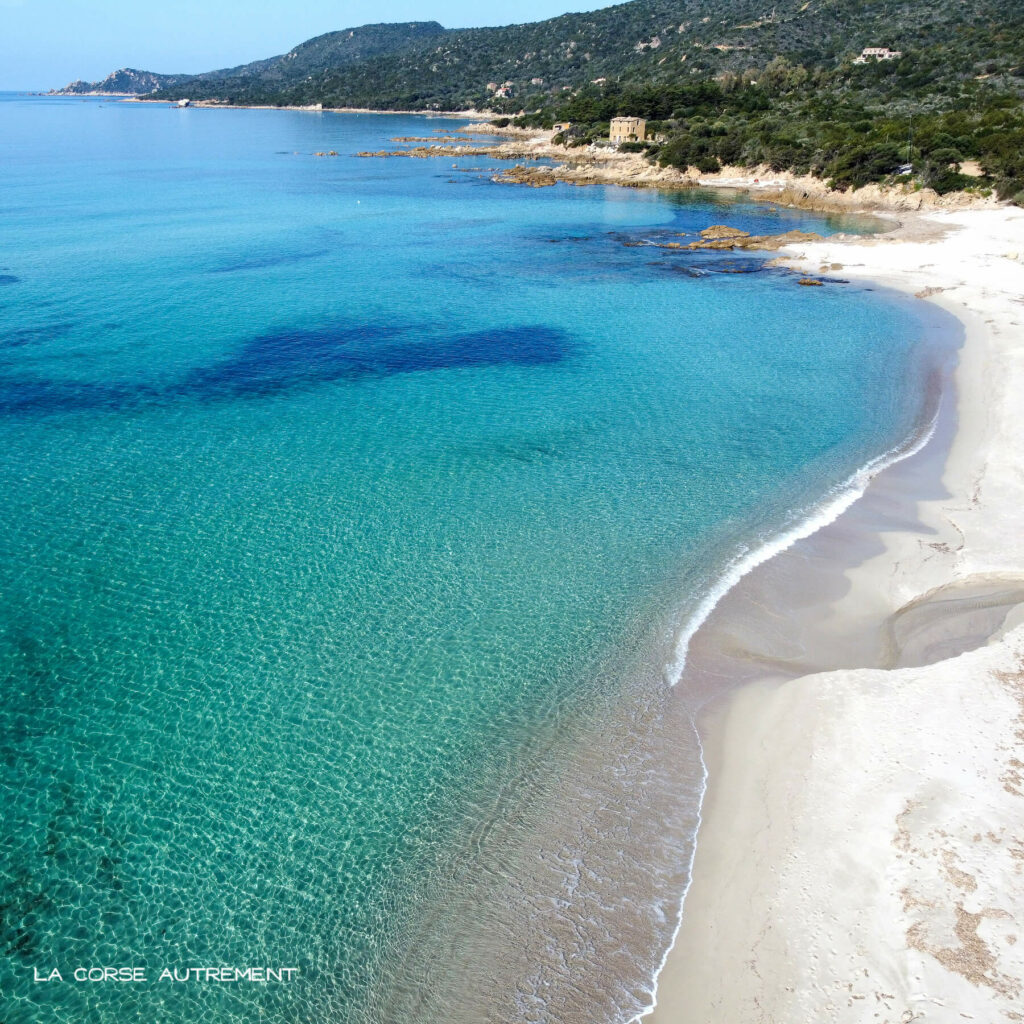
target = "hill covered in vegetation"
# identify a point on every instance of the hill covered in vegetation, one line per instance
(657, 41)
(421, 65)
(850, 126)
(269, 78)
(724, 81)
(126, 82)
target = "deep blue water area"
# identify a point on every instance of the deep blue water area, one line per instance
(350, 510)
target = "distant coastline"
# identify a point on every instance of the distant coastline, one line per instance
(921, 94)
(608, 166)
(314, 108)
(130, 97)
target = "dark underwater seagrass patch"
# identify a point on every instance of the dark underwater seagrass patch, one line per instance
(290, 359)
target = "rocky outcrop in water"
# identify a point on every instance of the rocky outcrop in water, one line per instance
(719, 231)
(720, 237)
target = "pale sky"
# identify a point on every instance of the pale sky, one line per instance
(45, 44)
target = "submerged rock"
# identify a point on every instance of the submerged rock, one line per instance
(535, 177)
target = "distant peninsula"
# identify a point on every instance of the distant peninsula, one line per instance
(922, 92)
(126, 82)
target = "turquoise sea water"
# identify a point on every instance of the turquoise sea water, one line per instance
(350, 511)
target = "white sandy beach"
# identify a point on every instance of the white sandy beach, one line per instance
(861, 855)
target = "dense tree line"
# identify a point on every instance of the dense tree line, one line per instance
(421, 65)
(834, 125)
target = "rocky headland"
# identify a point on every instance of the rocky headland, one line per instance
(604, 165)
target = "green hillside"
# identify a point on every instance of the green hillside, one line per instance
(723, 81)
(126, 82)
(426, 67)
(334, 50)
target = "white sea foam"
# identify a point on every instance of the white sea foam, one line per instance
(805, 523)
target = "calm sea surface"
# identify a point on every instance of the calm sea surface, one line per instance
(350, 511)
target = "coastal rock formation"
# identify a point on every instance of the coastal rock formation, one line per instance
(599, 166)
(535, 177)
(509, 131)
(718, 231)
(719, 237)
(773, 242)
(425, 152)
(584, 168)
(807, 192)
(717, 243)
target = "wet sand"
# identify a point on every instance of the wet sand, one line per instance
(860, 853)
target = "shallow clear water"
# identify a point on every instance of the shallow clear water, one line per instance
(350, 510)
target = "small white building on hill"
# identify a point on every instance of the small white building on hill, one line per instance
(877, 53)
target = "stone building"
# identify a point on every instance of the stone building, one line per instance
(628, 129)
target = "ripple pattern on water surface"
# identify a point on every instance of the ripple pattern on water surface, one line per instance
(348, 523)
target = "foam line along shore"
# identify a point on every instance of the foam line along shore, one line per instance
(858, 847)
